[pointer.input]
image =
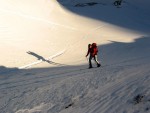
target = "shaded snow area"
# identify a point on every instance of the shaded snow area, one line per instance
(43, 68)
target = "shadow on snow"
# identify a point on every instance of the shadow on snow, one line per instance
(129, 16)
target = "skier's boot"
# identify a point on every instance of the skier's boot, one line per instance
(90, 67)
(98, 65)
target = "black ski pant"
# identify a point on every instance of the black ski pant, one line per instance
(95, 59)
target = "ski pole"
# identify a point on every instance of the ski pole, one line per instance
(86, 58)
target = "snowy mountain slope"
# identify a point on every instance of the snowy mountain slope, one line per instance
(130, 15)
(64, 84)
(32, 29)
(39, 29)
(96, 90)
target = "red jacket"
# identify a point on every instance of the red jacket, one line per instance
(93, 50)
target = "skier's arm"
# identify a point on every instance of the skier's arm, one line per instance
(87, 53)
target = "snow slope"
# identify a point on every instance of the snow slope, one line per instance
(43, 68)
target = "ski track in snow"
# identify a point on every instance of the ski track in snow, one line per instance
(36, 18)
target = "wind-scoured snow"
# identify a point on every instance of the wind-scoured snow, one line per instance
(43, 68)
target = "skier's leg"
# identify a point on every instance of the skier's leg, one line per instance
(97, 62)
(90, 63)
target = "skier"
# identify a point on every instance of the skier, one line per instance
(92, 51)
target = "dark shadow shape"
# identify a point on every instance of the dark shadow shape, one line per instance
(139, 98)
(43, 59)
(85, 4)
(124, 52)
(36, 55)
(54, 63)
(117, 2)
(68, 106)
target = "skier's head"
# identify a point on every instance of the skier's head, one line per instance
(94, 45)
(89, 45)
